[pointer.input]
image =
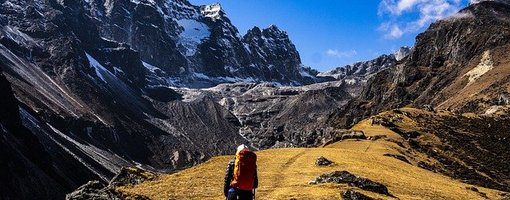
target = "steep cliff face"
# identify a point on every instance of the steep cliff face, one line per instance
(86, 102)
(457, 64)
(25, 163)
(198, 45)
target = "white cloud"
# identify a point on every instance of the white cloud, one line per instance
(409, 16)
(341, 54)
(395, 32)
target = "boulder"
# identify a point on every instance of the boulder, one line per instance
(345, 177)
(322, 161)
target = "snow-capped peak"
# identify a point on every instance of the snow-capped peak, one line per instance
(402, 53)
(212, 11)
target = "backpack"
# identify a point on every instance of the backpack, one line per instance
(245, 168)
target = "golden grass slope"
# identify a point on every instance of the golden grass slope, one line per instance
(286, 173)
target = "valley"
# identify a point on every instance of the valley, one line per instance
(287, 173)
(149, 99)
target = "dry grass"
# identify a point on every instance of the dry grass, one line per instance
(285, 174)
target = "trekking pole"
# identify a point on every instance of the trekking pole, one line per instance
(254, 190)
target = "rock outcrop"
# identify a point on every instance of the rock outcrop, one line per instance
(126, 177)
(321, 161)
(353, 195)
(344, 177)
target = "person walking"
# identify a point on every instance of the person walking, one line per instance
(241, 175)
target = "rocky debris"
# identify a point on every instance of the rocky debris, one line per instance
(273, 116)
(353, 195)
(322, 161)
(400, 157)
(94, 190)
(345, 177)
(132, 176)
(98, 190)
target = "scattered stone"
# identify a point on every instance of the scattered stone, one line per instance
(322, 161)
(344, 177)
(353, 195)
(400, 157)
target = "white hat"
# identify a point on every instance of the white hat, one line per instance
(241, 147)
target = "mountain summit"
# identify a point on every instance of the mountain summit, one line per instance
(196, 46)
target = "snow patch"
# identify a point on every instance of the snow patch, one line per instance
(192, 35)
(150, 67)
(485, 65)
(17, 36)
(100, 70)
(224, 79)
(350, 81)
(305, 74)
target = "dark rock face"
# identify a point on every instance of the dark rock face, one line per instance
(26, 164)
(344, 177)
(85, 109)
(198, 46)
(353, 195)
(272, 47)
(321, 161)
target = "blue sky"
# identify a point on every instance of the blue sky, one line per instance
(333, 33)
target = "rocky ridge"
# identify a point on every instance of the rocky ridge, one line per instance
(198, 46)
(457, 64)
(366, 69)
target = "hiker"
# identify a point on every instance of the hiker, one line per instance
(241, 175)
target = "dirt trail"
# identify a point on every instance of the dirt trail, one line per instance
(278, 180)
